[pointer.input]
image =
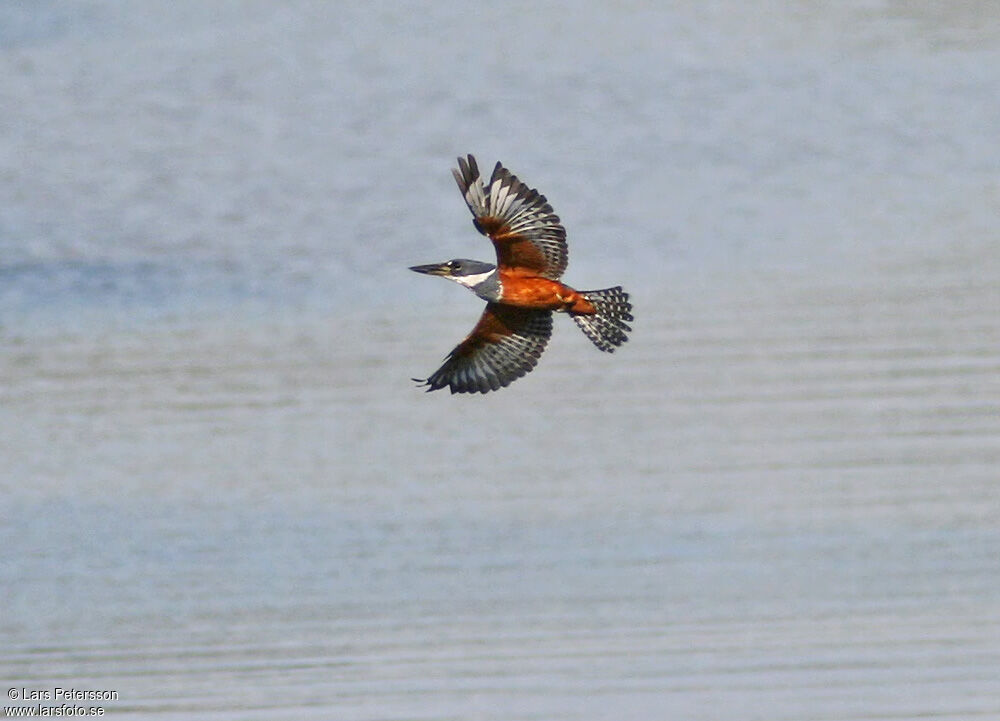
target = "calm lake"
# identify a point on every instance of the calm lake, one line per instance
(224, 498)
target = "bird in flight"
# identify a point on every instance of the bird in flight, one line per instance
(521, 291)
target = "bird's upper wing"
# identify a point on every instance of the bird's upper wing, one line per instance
(505, 344)
(520, 222)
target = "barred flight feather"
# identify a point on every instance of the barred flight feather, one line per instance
(505, 345)
(514, 215)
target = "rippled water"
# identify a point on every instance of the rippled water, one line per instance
(224, 498)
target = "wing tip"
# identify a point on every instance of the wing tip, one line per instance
(468, 166)
(455, 388)
(421, 382)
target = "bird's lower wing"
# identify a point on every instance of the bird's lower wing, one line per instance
(505, 344)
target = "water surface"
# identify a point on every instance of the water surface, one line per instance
(224, 498)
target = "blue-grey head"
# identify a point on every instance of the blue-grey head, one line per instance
(474, 274)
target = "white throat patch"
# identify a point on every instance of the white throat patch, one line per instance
(471, 280)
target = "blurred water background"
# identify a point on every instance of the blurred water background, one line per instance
(223, 497)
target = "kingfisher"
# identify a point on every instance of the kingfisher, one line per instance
(521, 291)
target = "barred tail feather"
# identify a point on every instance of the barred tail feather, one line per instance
(607, 327)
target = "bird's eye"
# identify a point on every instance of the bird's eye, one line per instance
(454, 265)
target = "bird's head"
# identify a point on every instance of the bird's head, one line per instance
(461, 270)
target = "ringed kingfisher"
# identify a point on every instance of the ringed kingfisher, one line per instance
(521, 291)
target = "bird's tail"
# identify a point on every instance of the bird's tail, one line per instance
(607, 327)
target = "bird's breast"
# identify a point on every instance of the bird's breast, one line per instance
(542, 293)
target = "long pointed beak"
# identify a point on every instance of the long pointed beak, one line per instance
(432, 269)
